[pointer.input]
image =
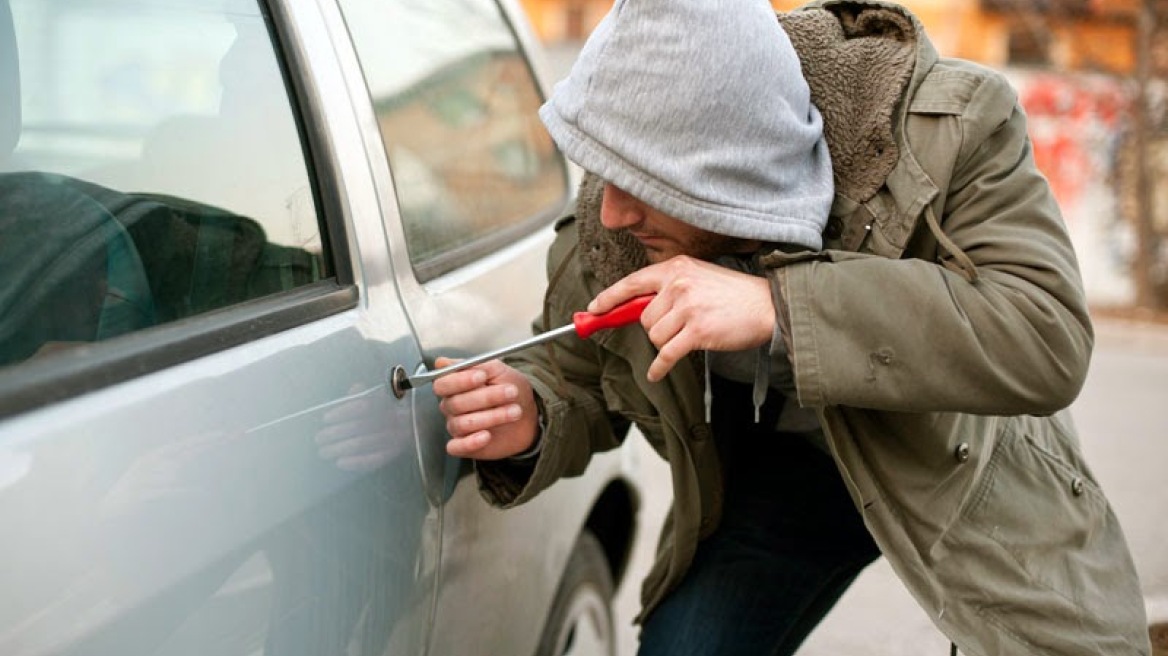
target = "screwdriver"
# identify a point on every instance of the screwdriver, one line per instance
(583, 325)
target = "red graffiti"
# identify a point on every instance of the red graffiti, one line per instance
(1074, 121)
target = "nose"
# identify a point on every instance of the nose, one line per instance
(618, 209)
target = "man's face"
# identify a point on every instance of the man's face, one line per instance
(662, 235)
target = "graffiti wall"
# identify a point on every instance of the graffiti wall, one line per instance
(1081, 130)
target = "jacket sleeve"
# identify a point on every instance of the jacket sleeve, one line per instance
(566, 376)
(913, 335)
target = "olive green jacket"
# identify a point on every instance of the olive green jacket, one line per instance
(940, 336)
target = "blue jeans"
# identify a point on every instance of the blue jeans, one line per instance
(789, 545)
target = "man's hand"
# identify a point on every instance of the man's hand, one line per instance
(699, 305)
(490, 410)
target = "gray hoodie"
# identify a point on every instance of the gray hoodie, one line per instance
(699, 108)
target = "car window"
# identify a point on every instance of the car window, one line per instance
(151, 169)
(457, 107)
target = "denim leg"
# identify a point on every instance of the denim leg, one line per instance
(789, 545)
(735, 602)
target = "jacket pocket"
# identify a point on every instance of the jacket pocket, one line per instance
(1038, 507)
(1040, 555)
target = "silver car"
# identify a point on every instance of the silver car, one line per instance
(224, 226)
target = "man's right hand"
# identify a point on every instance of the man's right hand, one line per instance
(490, 410)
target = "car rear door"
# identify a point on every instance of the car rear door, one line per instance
(471, 184)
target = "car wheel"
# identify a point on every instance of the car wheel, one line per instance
(580, 621)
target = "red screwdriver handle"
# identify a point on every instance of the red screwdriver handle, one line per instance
(622, 315)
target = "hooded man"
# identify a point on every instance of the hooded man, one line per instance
(867, 326)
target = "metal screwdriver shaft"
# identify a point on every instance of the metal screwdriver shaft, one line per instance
(429, 376)
(583, 325)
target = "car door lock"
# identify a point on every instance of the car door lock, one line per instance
(399, 381)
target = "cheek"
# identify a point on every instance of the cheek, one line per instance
(617, 210)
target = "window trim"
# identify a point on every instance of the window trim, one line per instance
(460, 256)
(40, 382)
(317, 144)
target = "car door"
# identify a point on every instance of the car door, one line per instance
(471, 184)
(470, 181)
(199, 449)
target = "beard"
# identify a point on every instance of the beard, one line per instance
(707, 246)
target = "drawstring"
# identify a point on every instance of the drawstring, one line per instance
(708, 396)
(952, 649)
(964, 265)
(762, 381)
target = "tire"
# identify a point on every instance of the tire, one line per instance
(580, 620)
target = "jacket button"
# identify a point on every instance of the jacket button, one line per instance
(961, 453)
(1077, 487)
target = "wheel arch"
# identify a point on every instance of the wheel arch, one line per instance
(613, 521)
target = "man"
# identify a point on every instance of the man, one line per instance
(833, 372)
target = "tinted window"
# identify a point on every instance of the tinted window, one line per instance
(151, 169)
(457, 107)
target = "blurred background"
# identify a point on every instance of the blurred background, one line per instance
(1092, 76)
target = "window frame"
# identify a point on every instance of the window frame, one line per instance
(33, 384)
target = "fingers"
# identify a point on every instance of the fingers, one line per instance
(479, 398)
(459, 381)
(668, 355)
(476, 398)
(490, 411)
(461, 425)
(470, 446)
(649, 280)
(699, 305)
(466, 380)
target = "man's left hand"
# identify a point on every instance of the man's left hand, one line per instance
(699, 305)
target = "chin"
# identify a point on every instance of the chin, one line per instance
(657, 255)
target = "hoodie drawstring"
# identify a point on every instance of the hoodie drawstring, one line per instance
(762, 382)
(708, 396)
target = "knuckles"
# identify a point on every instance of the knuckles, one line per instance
(681, 263)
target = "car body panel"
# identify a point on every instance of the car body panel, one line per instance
(488, 555)
(193, 503)
(146, 500)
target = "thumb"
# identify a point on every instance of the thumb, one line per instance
(442, 361)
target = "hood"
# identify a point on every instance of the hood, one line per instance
(858, 60)
(699, 109)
